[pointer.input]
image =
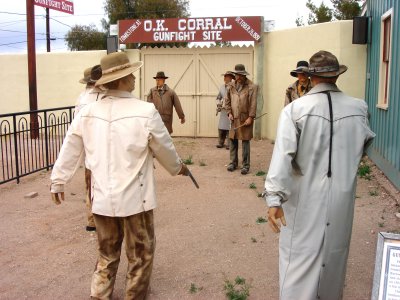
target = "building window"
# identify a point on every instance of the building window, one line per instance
(384, 78)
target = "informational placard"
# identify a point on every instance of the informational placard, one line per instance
(387, 268)
(219, 29)
(60, 5)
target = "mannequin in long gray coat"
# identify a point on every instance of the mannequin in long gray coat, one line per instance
(311, 183)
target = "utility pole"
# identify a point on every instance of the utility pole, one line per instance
(48, 28)
(30, 26)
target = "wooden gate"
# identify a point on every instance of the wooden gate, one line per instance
(195, 75)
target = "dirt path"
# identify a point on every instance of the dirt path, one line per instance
(204, 236)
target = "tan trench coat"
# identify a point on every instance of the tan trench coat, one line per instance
(241, 105)
(165, 105)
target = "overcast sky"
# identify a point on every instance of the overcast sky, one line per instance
(13, 18)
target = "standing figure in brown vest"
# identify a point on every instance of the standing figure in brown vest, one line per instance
(165, 99)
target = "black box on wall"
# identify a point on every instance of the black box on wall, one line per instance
(360, 30)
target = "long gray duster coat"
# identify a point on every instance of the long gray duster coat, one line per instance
(314, 246)
(241, 104)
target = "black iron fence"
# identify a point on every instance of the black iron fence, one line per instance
(30, 141)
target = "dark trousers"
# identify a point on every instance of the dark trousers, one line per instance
(138, 233)
(222, 135)
(234, 145)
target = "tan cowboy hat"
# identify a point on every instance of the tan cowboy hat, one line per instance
(86, 76)
(95, 73)
(325, 64)
(240, 69)
(160, 74)
(301, 66)
(115, 66)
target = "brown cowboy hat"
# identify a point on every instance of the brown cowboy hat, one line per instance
(240, 69)
(325, 64)
(228, 73)
(160, 74)
(115, 66)
(86, 76)
(301, 66)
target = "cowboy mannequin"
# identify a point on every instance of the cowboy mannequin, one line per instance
(224, 122)
(241, 105)
(310, 186)
(91, 94)
(165, 99)
(130, 134)
(301, 86)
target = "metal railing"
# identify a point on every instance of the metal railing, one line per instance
(30, 141)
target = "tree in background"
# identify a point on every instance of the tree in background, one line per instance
(346, 9)
(318, 14)
(85, 37)
(144, 9)
(342, 10)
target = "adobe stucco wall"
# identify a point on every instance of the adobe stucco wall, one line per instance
(58, 73)
(57, 78)
(282, 50)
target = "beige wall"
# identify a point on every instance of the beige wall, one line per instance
(58, 73)
(282, 50)
(57, 78)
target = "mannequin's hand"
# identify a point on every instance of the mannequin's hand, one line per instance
(57, 197)
(276, 217)
(248, 121)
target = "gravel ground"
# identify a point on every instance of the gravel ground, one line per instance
(204, 237)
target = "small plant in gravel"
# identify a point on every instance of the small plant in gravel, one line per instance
(252, 186)
(194, 289)
(381, 224)
(373, 193)
(254, 240)
(261, 220)
(260, 173)
(188, 161)
(259, 195)
(237, 290)
(202, 163)
(364, 170)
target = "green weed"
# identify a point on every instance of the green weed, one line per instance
(260, 173)
(188, 161)
(261, 220)
(373, 193)
(238, 290)
(252, 186)
(364, 170)
(194, 289)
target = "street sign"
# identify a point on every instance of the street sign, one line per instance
(60, 5)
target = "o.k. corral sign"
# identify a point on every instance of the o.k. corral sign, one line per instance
(220, 29)
(60, 5)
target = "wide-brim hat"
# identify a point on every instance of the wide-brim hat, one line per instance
(160, 75)
(325, 64)
(86, 76)
(115, 66)
(95, 74)
(228, 73)
(240, 69)
(301, 66)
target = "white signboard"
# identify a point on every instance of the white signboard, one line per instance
(387, 268)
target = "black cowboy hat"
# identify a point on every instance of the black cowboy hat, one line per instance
(160, 74)
(240, 69)
(301, 66)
